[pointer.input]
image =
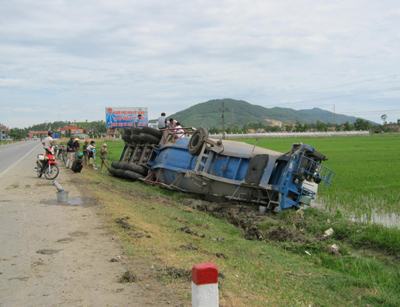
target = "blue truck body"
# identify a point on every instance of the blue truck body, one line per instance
(232, 170)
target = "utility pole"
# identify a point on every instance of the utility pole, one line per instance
(223, 120)
(334, 114)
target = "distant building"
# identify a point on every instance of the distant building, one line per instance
(37, 134)
(71, 130)
(274, 123)
(4, 131)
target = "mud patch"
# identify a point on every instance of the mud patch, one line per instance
(131, 230)
(255, 226)
(123, 222)
(42, 184)
(189, 231)
(189, 247)
(5, 200)
(115, 259)
(177, 273)
(65, 240)
(221, 255)
(22, 278)
(128, 277)
(38, 262)
(13, 186)
(281, 234)
(48, 251)
(78, 234)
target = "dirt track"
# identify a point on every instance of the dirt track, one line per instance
(55, 254)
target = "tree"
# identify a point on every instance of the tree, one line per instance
(347, 126)
(362, 124)
(18, 134)
(321, 126)
(384, 118)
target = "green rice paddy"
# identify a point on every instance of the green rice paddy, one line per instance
(367, 170)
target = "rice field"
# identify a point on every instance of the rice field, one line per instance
(367, 171)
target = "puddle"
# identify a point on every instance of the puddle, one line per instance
(76, 201)
(373, 216)
(386, 219)
(72, 201)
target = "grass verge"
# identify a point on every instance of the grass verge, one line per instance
(289, 264)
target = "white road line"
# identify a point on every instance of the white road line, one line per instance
(19, 160)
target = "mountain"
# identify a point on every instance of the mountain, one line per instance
(240, 112)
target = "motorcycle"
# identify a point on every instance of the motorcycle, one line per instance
(46, 164)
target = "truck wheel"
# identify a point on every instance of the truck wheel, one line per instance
(115, 164)
(116, 172)
(137, 169)
(197, 140)
(148, 138)
(132, 175)
(154, 132)
(136, 139)
(135, 131)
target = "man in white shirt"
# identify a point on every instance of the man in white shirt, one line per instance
(48, 141)
(162, 121)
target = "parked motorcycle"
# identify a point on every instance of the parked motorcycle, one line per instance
(46, 164)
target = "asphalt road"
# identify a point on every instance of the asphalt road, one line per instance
(55, 254)
(11, 154)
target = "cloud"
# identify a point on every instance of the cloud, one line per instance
(82, 56)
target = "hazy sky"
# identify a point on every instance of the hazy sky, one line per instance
(68, 60)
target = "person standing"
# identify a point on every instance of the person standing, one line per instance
(70, 153)
(103, 155)
(76, 145)
(179, 132)
(91, 152)
(48, 141)
(84, 150)
(162, 121)
(162, 125)
(172, 123)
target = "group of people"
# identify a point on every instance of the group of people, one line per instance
(87, 154)
(172, 129)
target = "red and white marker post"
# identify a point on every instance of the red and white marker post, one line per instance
(205, 285)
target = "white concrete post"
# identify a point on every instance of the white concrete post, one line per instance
(205, 285)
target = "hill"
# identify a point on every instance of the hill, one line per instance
(240, 112)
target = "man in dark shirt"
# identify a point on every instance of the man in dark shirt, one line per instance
(70, 153)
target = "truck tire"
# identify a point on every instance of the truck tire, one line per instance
(137, 169)
(136, 139)
(115, 164)
(148, 138)
(154, 132)
(197, 140)
(135, 131)
(116, 172)
(132, 175)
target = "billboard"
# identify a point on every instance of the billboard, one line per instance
(125, 117)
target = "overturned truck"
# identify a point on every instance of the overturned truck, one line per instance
(226, 169)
